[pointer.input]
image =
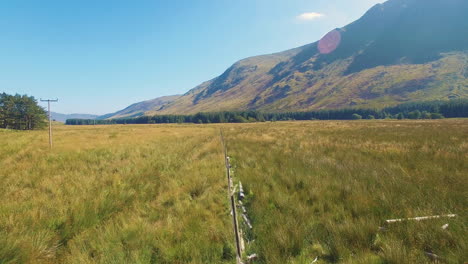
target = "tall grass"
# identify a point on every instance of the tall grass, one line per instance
(114, 194)
(324, 189)
(157, 193)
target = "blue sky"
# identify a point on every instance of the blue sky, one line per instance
(101, 56)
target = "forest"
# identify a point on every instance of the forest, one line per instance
(21, 112)
(415, 110)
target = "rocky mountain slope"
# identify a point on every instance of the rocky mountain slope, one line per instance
(399, 51)
(140, 108)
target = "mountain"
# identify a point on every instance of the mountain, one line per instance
(140, 108)
(63, 117)
(399, 51)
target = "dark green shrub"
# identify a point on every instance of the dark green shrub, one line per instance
(425, 115)
(414, 114)
(436, 116)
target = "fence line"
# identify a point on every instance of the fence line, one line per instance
(231, 194)
(389, 221)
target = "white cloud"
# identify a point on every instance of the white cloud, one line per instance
(309, 16)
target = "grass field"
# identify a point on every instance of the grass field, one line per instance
(324, 189)
(114, 194)
(158, 193)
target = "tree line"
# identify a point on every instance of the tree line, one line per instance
(418, 110)
(21, 112)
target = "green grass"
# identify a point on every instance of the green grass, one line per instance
(114, 194)
(158, 193)
(324, 189)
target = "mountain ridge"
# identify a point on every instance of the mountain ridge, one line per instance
(138, 109)
(398, 51)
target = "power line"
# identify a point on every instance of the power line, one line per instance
(50, 120)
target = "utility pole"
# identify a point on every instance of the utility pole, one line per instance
(50, 119)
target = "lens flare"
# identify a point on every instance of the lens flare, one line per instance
(329, 42)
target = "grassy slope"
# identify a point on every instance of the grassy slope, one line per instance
(114, 194)
(398, 51)
(381, 86)
(248, 75)
(324, 189)
(377, 87)
(141, 107)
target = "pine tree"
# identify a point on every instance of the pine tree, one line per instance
(21, 112)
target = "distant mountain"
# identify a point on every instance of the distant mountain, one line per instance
(63, 117)
(138, 109)
(399, 51)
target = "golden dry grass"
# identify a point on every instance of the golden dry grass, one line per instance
(323, 189)
(114, 194)
(157, 193)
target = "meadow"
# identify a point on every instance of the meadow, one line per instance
(325, 189)
(158, 193)
(114, 194)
